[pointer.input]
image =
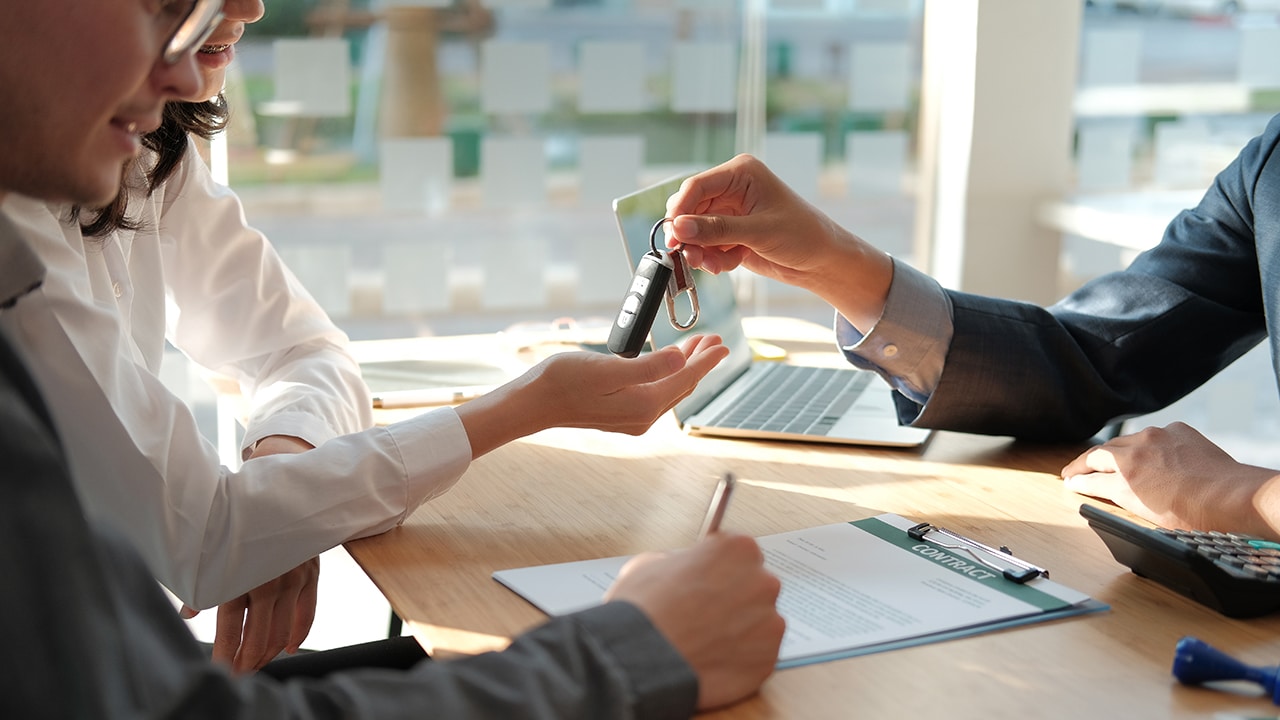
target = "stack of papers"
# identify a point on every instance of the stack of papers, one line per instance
(850, 589)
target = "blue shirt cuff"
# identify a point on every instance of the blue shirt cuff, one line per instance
(908, 344)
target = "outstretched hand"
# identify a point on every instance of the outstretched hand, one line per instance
(605, 392)
(590, 390)
(1177, 478)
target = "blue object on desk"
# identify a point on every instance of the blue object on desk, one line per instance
(1196, 662)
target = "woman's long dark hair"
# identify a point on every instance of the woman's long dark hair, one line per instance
(169, 142)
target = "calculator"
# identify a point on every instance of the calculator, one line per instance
(1237, 575)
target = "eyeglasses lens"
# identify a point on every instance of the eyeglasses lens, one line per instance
(194, 29)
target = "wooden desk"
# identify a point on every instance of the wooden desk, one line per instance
(572, 494)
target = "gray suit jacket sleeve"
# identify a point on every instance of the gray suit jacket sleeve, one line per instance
(85, 631)
(1130, 342)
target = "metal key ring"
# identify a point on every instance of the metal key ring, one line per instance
(681, 282)
(653, 235)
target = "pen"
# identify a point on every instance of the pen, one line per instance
(719, 501)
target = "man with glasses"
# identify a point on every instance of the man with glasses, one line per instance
(86, 631)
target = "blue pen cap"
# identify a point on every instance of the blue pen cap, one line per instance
(1196, 662)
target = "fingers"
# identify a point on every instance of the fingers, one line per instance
(273, 617)
(730, 187)
(1095, 459)
(703, 357)
(654, 366)
(265, 633)
(699, 343)
(1099, 485)
(305, 608)
(716, 603)
(229, 629)
(187, 612)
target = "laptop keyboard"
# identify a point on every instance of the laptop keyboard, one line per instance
(795, 399)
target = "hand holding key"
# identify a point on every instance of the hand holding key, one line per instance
(659, 274)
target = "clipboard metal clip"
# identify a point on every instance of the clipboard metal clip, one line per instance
(1013, 569)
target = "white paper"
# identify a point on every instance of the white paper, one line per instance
(842, 588)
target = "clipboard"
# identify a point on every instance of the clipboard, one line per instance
(848, 589)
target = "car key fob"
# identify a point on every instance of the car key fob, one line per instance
(639, 308)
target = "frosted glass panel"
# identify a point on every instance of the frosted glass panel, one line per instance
(704, 77)
(706, 5)
(1104, 160)
(601, 268)
(411, 3)
(322, 270)
(608, 167)
(514, 271)
(416, 277)
(796, 158)
(513, 171)
(611, 78)
(796, 4)
(416, 174)
(516, 77)
(887, 7)
(879, 77)
(312, 77)
(1260, 57)
(876, 162)
(522, 4)
(1180, 154)
(1110, 57)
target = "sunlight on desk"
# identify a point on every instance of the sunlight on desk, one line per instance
(446, 642)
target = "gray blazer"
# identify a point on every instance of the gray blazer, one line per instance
(1130, 342)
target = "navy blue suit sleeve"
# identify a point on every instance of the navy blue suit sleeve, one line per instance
(1127, 343)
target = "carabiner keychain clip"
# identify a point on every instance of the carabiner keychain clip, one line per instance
(681, 281)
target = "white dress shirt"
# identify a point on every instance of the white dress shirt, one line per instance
(194, 273)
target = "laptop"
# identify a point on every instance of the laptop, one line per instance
(745, 398)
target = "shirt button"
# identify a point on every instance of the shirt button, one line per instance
(890, 350)
(117, 289)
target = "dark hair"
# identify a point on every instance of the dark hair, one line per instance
(169, 143)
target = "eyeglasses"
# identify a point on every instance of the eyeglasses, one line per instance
(194, 29)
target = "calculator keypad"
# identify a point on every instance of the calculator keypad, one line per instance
(1241, 555)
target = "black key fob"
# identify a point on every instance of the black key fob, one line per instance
(640, 306)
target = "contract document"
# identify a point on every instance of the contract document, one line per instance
(853, 588)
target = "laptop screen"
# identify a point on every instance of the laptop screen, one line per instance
(718, 314)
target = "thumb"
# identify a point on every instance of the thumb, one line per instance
(1094, 484)
(654, 366)
(710, 230)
